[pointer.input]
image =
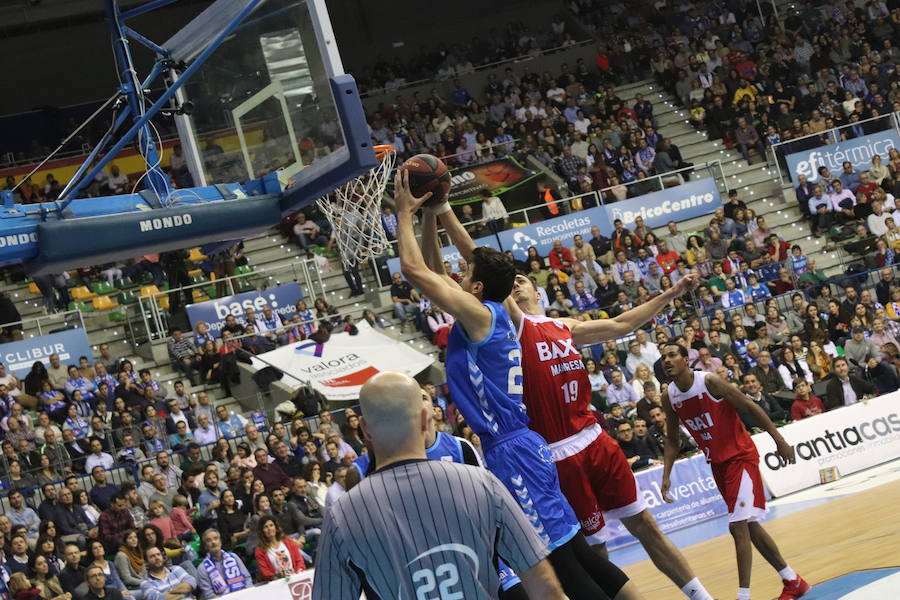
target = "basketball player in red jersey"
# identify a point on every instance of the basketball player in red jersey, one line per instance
(593, 472)
(708, 406)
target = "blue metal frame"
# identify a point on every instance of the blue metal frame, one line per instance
(126, 66)
(35, 233)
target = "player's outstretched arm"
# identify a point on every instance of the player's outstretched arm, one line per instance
(431, 247)
(458, 234)
(474, 316)
(672, 447)
(540, 581)
(602, 330)
(729, 392)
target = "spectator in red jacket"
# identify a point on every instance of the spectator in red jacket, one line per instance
(561, 257)
(276, 554)
(666, 258)
(805, 404)
(778, 248)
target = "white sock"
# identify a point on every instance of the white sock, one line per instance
(787, 574)
(694, 590)
(743, 594)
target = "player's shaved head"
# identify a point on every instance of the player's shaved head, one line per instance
(394, 418)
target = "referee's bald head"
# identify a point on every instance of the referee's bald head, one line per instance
(394, 418)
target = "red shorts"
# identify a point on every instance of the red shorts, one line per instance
(597, 480)
(741, 485)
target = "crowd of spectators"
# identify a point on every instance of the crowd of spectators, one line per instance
(103, 466)
(755, 82)
(572, 121)
(449, 60)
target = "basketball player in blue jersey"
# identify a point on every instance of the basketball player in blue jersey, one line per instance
(485, 376)
(443, 447)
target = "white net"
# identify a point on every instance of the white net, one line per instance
(354, 211)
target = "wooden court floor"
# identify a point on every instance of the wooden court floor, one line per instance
(858, 532)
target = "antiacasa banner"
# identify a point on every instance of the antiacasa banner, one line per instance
(848, 439)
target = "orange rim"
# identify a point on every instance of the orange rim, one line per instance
(382, 150)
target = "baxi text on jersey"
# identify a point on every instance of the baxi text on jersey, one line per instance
(559, 349)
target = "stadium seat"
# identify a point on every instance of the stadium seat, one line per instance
(118, 315)
(163, 302)
(82, 293)
(198, 296)
(145, 278)
(33, 288)
(196, 255)
(103, 303)
(124, 283)
(81, 306)
(127, 297)
(102, 288)
(149, 290)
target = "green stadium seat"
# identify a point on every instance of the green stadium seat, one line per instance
(124, 283)
(126, 297)
(84, 307)
(118, 315)
(102, 288)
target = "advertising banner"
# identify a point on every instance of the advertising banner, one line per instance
(679, 203)
(692, 199)
(833, 444)
(69, 345)
(281, 298)
(859, 151)
(339, 367)
(497, 176)
(695, 493)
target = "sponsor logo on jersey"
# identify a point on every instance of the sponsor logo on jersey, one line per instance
(556, 349)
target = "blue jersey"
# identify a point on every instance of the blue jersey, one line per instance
(446, 447)
(485, 378)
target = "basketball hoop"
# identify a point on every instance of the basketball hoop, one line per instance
(354, 211)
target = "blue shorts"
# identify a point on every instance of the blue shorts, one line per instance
(522, 461)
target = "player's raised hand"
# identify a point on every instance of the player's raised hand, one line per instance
(403, 196)
(687, 283)
(664, 490)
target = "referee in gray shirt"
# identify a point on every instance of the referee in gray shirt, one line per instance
(418, 528)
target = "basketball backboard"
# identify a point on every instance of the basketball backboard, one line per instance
(272, 98)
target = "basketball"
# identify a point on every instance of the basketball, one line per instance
(428, 173)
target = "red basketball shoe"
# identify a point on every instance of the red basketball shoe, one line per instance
(794, 589)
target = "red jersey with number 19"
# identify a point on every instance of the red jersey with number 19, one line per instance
(714, 424)
(553, 369)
